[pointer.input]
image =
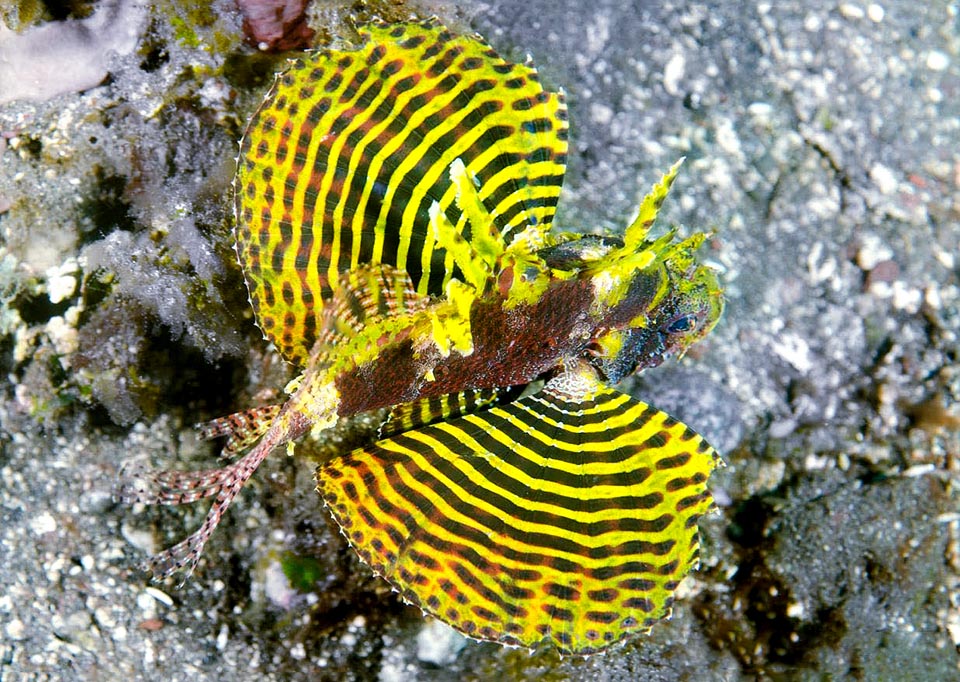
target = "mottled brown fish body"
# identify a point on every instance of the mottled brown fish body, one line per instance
(512, 346)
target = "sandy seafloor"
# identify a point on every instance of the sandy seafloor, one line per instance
(822, 146)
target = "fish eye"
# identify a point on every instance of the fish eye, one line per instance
(684, 323)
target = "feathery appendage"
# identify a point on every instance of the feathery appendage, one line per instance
(184, 487)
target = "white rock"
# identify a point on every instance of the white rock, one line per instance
(795, 350)
(438, 643)
(937, 61)
(761, 112)
(601, 113)
(67, 56)
(883, 178)
(15, 629)
(872, 251)
(63, 335)
(43, 523)
(673, 74)
(727, 138)
(812, 22)
(159, 595)
(277, 587)
(945, 258)
(906, 297)
(852, 11)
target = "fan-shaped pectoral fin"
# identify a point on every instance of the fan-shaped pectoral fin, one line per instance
(567, 517)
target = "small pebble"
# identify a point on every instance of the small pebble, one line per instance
(43, 523)
(159, 595)
(673, 74)
(883, 178)
(937, 61)
(15, 629)
(852, 11)
(438, 643)
(872, 251)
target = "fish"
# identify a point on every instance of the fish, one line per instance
(395, 202)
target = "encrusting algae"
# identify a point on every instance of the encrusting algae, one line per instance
(394, 225)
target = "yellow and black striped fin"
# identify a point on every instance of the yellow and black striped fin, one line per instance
(366, 295)
(342, 163)
(423, 411)
(242, 429)
(568, 516)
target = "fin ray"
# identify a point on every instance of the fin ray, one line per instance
(242, 429)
